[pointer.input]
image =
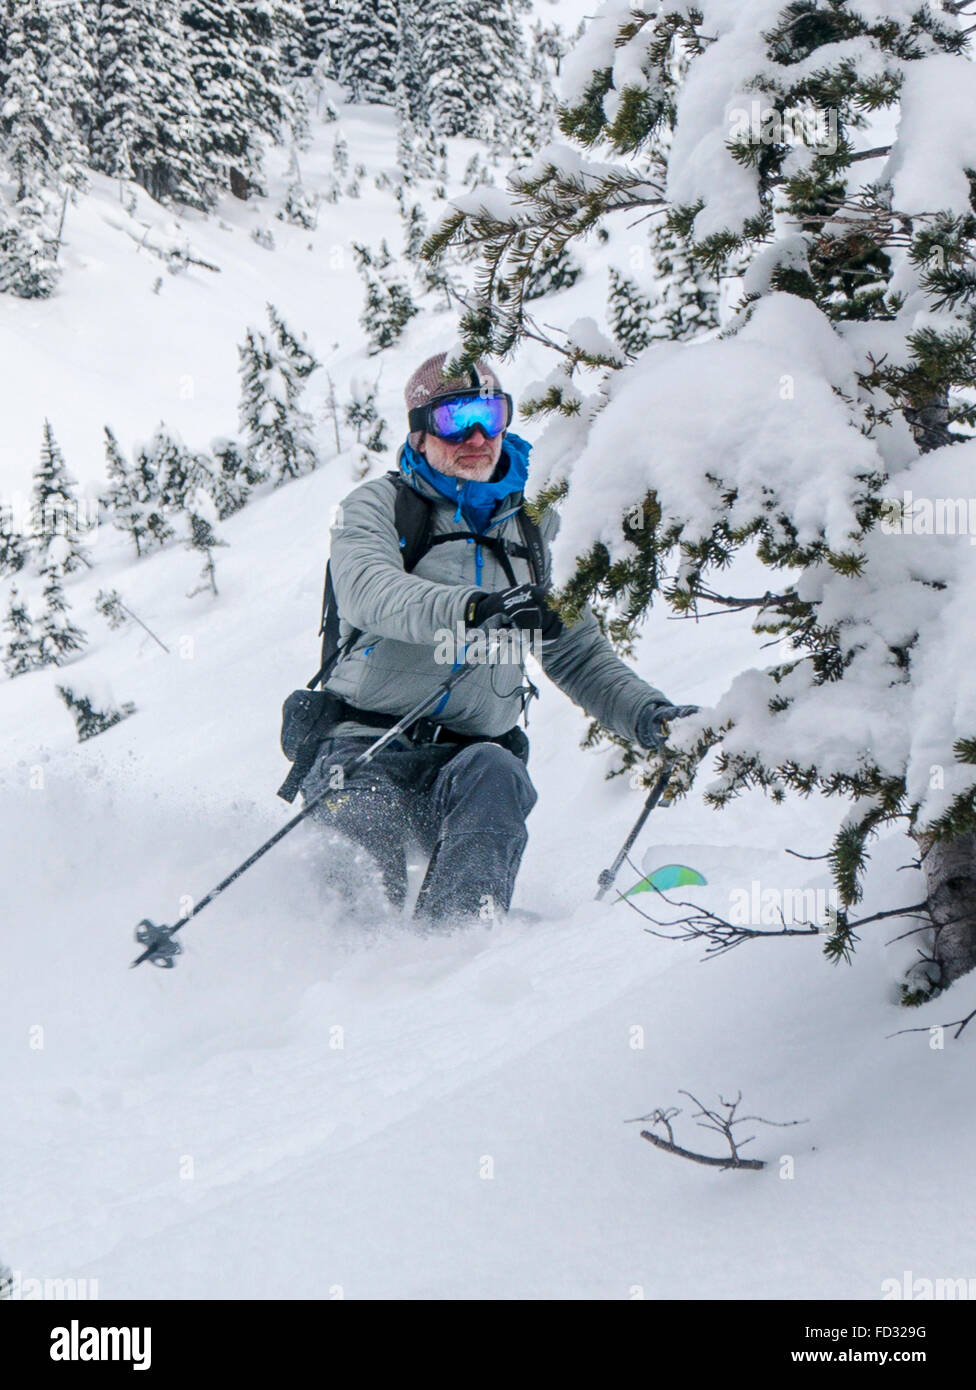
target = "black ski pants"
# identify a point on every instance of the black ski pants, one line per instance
(465, 804)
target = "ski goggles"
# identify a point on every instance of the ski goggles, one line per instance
(455, 418)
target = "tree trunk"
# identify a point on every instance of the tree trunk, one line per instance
(949, 865)
(950, 878)
(239, 185)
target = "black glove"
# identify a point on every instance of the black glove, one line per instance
(650, 731)
(524, 607)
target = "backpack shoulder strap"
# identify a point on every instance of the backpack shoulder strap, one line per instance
(412, 518)
(538, 555)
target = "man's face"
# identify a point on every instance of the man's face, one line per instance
(473, 459)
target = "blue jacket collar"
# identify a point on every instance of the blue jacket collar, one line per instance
(475, 502)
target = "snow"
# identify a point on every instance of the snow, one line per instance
(762, 399)
(310, 1107)
(936, 140)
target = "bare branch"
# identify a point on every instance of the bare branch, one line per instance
(714, 1120)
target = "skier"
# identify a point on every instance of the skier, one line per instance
(478, 573)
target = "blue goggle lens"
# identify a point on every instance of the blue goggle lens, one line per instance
(457, 417)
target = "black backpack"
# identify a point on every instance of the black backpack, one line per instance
(308, 715)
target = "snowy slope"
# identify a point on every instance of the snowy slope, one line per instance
(308, 1106)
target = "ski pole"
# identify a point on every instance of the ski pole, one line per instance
(160, 946)
(607, 877)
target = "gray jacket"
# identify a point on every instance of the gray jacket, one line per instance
(412, 623)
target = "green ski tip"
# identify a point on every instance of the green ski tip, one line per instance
(666, 877)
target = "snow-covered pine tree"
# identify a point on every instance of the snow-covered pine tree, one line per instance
(550, 272)
(476, 72)
(14, 548)
(301, 206)
(233, 480)
(23, 649)
(58, 636)
(28, 248)
(433, 278)
(93, 709)
(201, 518)
(409, 84)
(173, 468)
(122, 118)
(629, 313)
(40, 146)
(323, 24)
(76, 55)
(796, 435)
(147, 489)
(275, 105)
(122, 497)
(171, 159)
(109, 603)
(416, 151)
(362, 415)
(367, 48)
(684, 291)
(389, 306)
(244, 99)
(277, 433)
(54, 511)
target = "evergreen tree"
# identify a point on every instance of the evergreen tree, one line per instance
(93, 712)
(323, 23)
(55, 512)
(58, 635)
(173, 466)
(123, 497)
(201, 515)
(416, 151)
(77, 54)
(629, 312)
(41, 146)
(233, 479)
(108, 602)
(14, 549)
(367, 50)
(173, 164)
(888, 375)
(300, 207)
(41, 143)
(278, 433)
(553, 270)
(235, 61)
(389, 306)
(147, 490)
(23, 650)
(685, 293)
(476, 70)
(122, 123)
(409, 87)
(362, 415)
(149, 120)
(28, 249)
(432, 277)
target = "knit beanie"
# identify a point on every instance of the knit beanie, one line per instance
(428, 382)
